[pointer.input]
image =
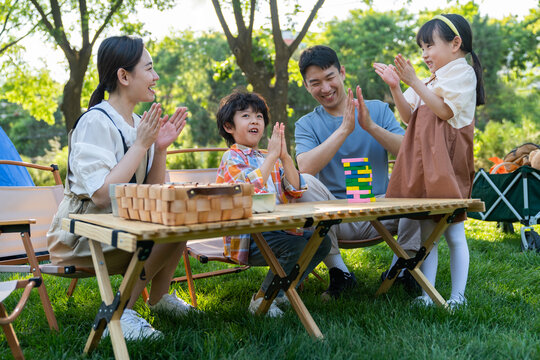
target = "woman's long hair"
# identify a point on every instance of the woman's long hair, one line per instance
(116, 52)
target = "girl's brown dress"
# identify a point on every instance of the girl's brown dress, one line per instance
(435, 160)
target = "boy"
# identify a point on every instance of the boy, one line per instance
(241, 120)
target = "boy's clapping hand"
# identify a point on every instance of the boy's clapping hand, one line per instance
(274, 143)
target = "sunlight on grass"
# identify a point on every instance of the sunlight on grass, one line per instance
(501, 320)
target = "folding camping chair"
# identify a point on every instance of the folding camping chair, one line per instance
(6, 289)
(23, 208)
(26, 213)
(510, 198)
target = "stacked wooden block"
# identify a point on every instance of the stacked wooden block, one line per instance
(184, 204)
(358, 180)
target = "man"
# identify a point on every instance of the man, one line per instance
(334, 130)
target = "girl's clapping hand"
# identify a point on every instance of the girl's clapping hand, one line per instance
(387, 73)
(405, 70)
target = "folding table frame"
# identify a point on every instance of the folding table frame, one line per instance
(138, 238)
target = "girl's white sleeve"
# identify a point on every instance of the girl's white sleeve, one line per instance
(96, 148)
(412, 98)
(458, 89)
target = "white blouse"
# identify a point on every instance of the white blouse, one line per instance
(456, 84)
(96, 148)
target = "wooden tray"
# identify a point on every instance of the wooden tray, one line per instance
(184, 204)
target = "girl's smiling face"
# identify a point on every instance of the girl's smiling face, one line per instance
(248, 127)
(440, 52)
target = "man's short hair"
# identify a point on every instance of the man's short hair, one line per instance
(319, 55)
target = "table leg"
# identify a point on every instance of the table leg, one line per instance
(294, 298)
(112, 304)
(416, 273)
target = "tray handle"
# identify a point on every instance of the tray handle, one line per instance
(209, 191)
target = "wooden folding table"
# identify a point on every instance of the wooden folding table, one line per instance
(138, 238)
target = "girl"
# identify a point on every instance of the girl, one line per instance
(436, 156)
(109, 144)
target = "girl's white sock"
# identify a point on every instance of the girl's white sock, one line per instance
(459, 259)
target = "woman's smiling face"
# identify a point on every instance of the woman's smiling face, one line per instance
(144, 78)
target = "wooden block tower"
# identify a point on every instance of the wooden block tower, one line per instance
(358, 180)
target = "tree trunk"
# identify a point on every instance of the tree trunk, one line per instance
(71, 102)
(256, 73)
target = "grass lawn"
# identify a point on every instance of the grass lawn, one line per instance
(501, 321)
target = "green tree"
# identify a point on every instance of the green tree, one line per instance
(62, 22)
(195, 71)
(366, 37)
(264, 59)
(13, 24)
(30, 137)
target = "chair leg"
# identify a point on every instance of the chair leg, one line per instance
(189, 277)
(45, 301)
(72, 286)
(11, 337)
(316, 274)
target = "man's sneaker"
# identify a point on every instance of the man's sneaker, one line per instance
(339, 282)
(135, 328)
(171, 304)
(274, 311)
(423, 300)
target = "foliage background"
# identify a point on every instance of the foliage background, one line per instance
(197, 70)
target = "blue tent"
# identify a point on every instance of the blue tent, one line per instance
(11, 175)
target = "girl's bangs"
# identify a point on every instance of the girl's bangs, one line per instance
(425, 34)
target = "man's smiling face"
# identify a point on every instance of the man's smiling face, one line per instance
(326, 86)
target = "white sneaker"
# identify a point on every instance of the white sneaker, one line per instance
(455, 303)
(135, 328)
(172, 304)
(274, 311)
(423, 300)
(282, 301)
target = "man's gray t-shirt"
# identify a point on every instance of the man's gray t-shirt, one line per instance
(314, 128)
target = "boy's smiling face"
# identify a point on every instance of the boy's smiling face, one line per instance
(248, 127)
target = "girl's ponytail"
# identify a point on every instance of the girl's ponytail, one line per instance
(477, 66)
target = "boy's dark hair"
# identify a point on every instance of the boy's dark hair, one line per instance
(319, 55)
(115, 52)
(238, 101)
(425, 35)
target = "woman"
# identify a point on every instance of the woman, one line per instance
(110, 144)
